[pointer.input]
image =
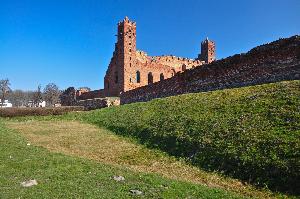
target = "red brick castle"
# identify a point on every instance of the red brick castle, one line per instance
(130, 68)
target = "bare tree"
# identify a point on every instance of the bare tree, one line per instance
(17, 98)
(51, 93)
(4, 89)
(37, 96)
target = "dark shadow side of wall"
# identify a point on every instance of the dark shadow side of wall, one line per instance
(276, 61)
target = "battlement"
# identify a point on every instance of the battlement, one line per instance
(127, 21)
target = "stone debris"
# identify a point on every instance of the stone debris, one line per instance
(29, 183)
(118, 178)
(28, 144)
(136, 192)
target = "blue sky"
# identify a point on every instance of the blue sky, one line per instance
(70, 42)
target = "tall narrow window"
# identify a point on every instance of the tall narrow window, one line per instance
(150, 78)
(161, 77)
(116, 77)
(183, 67)
(138, 77)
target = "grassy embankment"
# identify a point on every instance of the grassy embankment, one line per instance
(250, 133)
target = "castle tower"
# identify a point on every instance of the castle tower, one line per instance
(208, 53)
(124, 58)
(127, 39)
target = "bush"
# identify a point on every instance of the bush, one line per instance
(250, 133)
(15, 112)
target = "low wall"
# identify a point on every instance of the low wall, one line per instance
(277, 61)
(92, 95)
(97, 103)
(91, 104)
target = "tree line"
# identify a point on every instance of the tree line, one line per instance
(51, 94)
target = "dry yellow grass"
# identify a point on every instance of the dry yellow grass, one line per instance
(88, 141)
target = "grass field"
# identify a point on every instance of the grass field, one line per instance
(249, 133)
(64, 176)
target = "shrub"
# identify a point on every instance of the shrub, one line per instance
(15, 112)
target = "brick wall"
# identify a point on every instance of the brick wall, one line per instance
(277, 61)
(91, 95)
(98, 103)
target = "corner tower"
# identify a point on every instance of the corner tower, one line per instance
(208, 53)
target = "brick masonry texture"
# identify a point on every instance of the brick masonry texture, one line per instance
(97, 103)
(276, 61)
(130, 68)
(90, 94)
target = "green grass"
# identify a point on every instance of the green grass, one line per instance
(250, 133)
(61, 176)
(87, 141)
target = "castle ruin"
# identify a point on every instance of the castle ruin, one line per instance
(130, 68)
(134, 76)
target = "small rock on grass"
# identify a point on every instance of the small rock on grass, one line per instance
(118, 178)
(136, 192)
(29, 183)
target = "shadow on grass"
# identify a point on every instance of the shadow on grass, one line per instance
(209, 158)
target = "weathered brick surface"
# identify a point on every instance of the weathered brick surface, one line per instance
(91, 104)
(97, 103)
(277, 61)
(130, 69)
(91, 95)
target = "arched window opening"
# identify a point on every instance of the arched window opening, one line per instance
(138, 77)
(161, 77)
(116, 77)
(183, 67)
(150, 78)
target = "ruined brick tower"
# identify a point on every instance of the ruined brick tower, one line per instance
(123, 59)
(130, 68)
(207, 51)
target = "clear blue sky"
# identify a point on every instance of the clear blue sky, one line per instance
(70, 42)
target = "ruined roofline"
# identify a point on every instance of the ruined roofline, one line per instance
(279, 43)
(127, 20)
(164, 56)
